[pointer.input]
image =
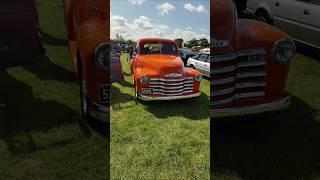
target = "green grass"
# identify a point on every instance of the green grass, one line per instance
(284, 146)
(158, 140)
(40, 133)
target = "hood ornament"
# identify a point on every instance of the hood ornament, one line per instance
(173, 75)
(219, 43)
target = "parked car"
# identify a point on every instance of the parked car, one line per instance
(158, 72)
(20, 43)
(185, 54)
(249, 66)
(299, 18)
(205, 51)
(92, 54)
(201, 62)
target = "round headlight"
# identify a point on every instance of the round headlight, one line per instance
(144, 79)
(102, 55)
(284, 50)
(199, 77)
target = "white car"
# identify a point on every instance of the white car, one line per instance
(200, 62)
(299, 18)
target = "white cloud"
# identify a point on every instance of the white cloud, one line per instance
(144, 27)
(200, 8)
(189, 28)
(138, 2)
(143, 22)
(165, 8)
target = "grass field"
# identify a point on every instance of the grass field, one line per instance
(40, 133)
(285, 146)
(158, 140)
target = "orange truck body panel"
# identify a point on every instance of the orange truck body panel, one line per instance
(87, 26)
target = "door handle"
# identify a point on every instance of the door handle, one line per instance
(306, 11)
(277, 4)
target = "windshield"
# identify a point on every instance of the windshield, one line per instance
(159, 48)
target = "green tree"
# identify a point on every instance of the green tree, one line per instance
(203, 42)
(179, 42)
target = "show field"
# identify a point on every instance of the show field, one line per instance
(161, 139)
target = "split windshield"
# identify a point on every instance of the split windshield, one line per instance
(158, 48)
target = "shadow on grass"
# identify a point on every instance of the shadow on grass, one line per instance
(45, 69)
(51, 40)
(118, 98)
(21, 113)
(284, 146)
(308, 51)
(195, 108)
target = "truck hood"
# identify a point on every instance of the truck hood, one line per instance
(224, 26)
(161, 64)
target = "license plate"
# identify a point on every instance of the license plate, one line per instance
(104, 93)
(146, 91)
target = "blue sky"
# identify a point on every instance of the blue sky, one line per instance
(157, 18)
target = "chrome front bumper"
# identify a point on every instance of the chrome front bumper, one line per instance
(164, 98)
(99, 112)
(278, 105)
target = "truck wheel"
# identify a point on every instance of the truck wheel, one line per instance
(192, 66)
(263, 17)
(83, 97)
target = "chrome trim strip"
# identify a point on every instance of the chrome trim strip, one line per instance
(172, 91)
(277, 105)
(171, 80)
(172, 94)
(170, 84)
(233, 56)
(250, 84)
(161, 98)
(226, 69)
(229, 90)
(238, 76)
(236, 97)
(171, 87)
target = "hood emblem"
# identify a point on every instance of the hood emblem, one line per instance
(219, 43)
(173, 75)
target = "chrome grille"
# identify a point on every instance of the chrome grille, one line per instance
(237, 76)
(171, 87)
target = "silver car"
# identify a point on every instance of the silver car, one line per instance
(200, 62)
(299, 18)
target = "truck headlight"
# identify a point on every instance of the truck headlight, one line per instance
(102, 55)
(284, 50)
(144, 79)
(199, 77)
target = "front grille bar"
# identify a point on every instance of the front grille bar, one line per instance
(236, 97)
(231, 79)
(233, 56)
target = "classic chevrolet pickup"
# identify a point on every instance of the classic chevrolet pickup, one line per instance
(158, 72)
(20, 42)
(87, 25)
(249, 65)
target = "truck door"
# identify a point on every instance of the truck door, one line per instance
(287, 16)
(310, 27)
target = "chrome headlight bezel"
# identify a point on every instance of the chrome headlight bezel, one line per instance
(198, 77)
(144, 79)
(282, 45)
(102, 55)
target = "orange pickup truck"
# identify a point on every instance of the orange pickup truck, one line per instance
(87, 25)
(158, 72)
(249, 64)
